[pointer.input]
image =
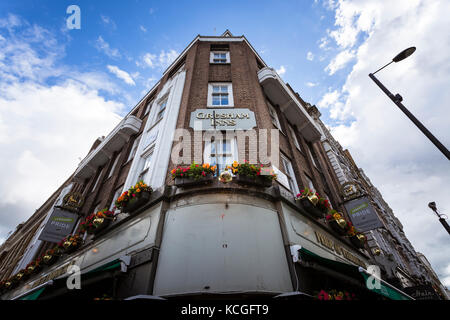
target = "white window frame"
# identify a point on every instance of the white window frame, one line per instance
(143, 172)
(134, 148)
(289, 172)
(152, 132)
(207, 154)
(159, 110)
(212, 58)
(229, 91)
(149, 106)
(274, 116)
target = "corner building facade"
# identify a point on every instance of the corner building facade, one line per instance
(234, 239)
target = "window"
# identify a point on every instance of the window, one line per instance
(221, 153)
(289, 172)
(220, 95)
(134, 148)
(161, 109)
(294, 137)
(113, 166)
(274, 116)
(151, 136)
(312, 157)
(219, 57)
(96, 181)
(149, 106)
(310, 183)
(146, 161)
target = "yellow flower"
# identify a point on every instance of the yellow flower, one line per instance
(336, 216)
(235, 164)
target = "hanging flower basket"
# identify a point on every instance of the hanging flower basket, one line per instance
(251, 174)
(20, 276)
(71, 243)
(134, 198)
(136, 202)
(33, 267)
(358, 240)
(337, 222)
(51, 256)
(96, 222)
(313, 203)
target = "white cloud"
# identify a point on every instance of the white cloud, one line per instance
(166, 58)
(125, 76)
(312, 84)
(107, 21)
(44, 128)
(281, 70)
(398, 158)
(339, 62)
(163, 60)
(104, 47)
(310, 56)
(143, 29)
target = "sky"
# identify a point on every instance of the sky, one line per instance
(61, 88)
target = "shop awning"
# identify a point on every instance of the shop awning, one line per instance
(385, 289)
(34, 293)
(358, 273)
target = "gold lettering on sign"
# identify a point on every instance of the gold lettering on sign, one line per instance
(52, 275)
(223, 119)
(330, 244)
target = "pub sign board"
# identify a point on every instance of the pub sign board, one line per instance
(222, 119)
(422, 292)
(362, 214)
(59, 225)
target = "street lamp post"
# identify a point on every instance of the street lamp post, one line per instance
(433, 207)
(397, 99)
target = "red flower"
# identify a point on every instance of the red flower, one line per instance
(323, 295)
(134, 195)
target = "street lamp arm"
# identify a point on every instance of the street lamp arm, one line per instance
(397, 100)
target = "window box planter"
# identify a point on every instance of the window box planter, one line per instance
(137, 202)
(257, 181)
(71, 244)
(338, 226)
(310, 207)
(189, 181)
(99, 224)
(49, 259)
(358, 240)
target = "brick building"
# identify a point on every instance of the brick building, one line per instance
(208, 237)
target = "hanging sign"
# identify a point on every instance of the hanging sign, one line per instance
(59, 225)
(362, 214)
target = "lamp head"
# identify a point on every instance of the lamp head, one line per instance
(432, 206)
(404, 54)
